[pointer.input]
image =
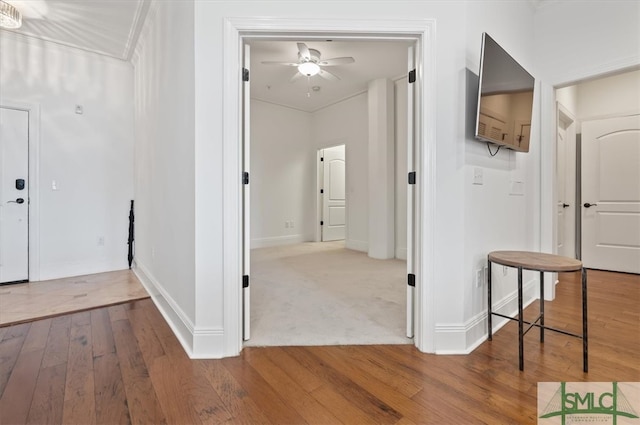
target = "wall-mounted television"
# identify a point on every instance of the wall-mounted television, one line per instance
(505, 99)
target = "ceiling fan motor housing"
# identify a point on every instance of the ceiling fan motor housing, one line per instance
(313, 53)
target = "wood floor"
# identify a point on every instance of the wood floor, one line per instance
(25, 302)
(122, 364)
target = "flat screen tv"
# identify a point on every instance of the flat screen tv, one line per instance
(505, 99)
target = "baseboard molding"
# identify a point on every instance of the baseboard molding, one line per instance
(177, 320)
(463, 338)
(357, 245)
(277, 241)
(79, 268)
(401, 253)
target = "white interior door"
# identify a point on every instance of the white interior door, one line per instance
(246, 216)
(334, 194)
(411, 90)
(14, 195)
(565, 170)
(611, 194)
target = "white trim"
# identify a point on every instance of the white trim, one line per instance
(463, 338)
(33, 109)
(278, 241)
(235, 31)
(357, 245)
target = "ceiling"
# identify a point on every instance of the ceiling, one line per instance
(107, 27)
(373, 60)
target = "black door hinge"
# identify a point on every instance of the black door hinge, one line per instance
(412, 76)
(412, 177)
(245, 178)
(321, 223)
(321, 190)
(411, 280)
(245, 74)
(321, 158)
(245, 281)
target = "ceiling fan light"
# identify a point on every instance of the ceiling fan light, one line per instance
(309, 69)
(10, 17)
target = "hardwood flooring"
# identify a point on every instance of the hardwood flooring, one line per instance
(122, 364)
(25, 302)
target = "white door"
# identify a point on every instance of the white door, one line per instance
(411, 93)
(246, 215)
(14, 195)
(611, 194)
(565, 171)
(333, 194)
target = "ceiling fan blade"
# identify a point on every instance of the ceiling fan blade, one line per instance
(295, 77)
(328, 76)
(279, 63)
(337, 61)
(304, 51)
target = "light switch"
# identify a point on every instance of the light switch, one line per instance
(477, 176)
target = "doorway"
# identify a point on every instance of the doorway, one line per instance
(284, 136)
(14, 195)
(423, 33)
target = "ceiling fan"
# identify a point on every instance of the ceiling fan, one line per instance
(310, 63)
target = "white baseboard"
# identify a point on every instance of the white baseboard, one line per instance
(463, 338)
(401, 253)
(277, 241)
(79, 268)
(198, 342)
(357, 245)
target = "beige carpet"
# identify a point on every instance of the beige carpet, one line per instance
(323, 294)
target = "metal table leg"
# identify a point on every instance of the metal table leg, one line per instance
(585, 345)
(520, 321)
(490, 314)
(541, 306)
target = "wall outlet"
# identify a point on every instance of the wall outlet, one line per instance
(479, 278)
(286, 224)
(505, 270)
(100, 240)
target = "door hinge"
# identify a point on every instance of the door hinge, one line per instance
(321, 190)
(321, 223)
(321, 158)
(412, 177)
(412, 76)
(245, 74)
(245, 281)
(411, 279)
(245, 178)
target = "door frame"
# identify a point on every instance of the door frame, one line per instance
(423, 32)
(33, 111)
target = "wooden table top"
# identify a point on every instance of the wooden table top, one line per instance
(535, 261)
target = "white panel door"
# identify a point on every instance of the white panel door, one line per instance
(611, 194)
(411, 90)
(14, 195)
(566, 183)
(246, 216)
(334, 194)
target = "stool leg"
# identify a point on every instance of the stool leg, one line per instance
(520, 322)
(489, 313)
(541, 306)
(585, 345)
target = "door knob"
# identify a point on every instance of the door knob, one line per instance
(587, 205)
(17, 201)
(565, 205)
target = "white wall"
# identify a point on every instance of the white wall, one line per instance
(165, 162)
(456, 230)
(346, 123)
(89, 156)
(282, 177)
(608, 96)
